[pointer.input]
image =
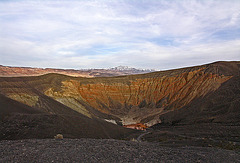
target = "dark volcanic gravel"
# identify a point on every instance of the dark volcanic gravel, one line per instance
(96, 150)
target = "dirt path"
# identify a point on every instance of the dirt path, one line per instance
(139, 138)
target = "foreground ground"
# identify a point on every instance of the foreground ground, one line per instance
(107, 150)
(225, 136)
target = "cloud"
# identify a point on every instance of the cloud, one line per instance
(100, 34)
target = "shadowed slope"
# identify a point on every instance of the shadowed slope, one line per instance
(222, 105)
(9, 106)
(39, 126)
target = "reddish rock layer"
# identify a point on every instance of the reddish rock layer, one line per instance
(138, 126)
(161, 92)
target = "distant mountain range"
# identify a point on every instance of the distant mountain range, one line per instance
(130, 69)
(9, 71)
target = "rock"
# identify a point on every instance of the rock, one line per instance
(58, 136)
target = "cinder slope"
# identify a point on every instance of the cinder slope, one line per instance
(41, 126)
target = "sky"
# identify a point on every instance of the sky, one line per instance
(148, 34)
